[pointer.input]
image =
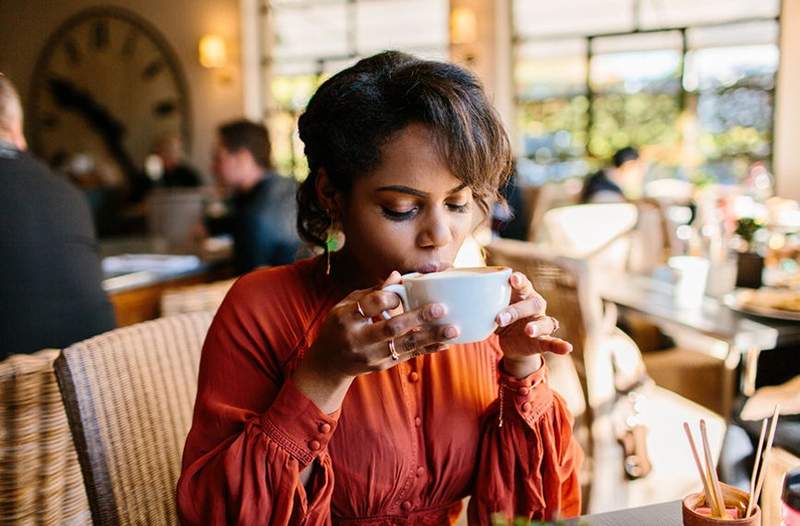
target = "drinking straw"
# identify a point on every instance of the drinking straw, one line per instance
(756, 465)
(700, 471)
(767, 451)
(712, 470)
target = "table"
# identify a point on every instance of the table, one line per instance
(664, 514)
(652, 298)
(136, 296)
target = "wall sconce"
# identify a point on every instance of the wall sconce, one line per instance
(463, 26)
(212, 52)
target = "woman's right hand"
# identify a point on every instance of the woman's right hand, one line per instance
(355, 339)
(350, 345)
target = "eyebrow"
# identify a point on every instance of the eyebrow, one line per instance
(413, 191)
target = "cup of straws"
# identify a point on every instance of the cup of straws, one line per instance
(720, 504)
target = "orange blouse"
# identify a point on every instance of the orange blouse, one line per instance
(407, 445)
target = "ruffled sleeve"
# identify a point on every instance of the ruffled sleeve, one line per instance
(528, 458)
(253, 433)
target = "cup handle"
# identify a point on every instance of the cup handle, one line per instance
(400, 290)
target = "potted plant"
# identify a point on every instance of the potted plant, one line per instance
(749, 263)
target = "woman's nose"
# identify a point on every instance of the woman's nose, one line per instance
(436, 231)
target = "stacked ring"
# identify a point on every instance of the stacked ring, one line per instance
(393, 351)
(360, 310)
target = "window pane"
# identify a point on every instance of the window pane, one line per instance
(535, 18)
(295, 25)
(679, 13)
(550, 79)
(636, 79)
(635, 63)
(400, 24)
(718, 67)
(551, 69)
(314, 39)
(762, 32)
(733, 104)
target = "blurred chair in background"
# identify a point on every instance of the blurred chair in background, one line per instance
(129, 396)
(614, 388)
(40, 478)
(539, 199)
(778, 464)
(598, 233)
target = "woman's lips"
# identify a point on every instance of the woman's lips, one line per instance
(426, 268)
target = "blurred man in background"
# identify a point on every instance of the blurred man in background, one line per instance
(176, 172)
(50, 286)
(263, 211)
(618, 183)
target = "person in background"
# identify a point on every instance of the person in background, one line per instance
(616, 184)
(263, 209)
(511, 221)
(176, 172)
(50, 287)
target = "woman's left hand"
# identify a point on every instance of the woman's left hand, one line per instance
(525, 330)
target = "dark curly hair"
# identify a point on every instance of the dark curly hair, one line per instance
(358, 110)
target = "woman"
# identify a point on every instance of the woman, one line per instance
(302, 414)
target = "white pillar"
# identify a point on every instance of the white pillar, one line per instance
(787, 105)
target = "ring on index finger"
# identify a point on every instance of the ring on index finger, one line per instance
(360, 310)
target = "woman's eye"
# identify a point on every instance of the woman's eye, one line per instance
(399, 215)
(455, 207)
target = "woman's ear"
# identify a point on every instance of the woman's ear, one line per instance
(327, 195)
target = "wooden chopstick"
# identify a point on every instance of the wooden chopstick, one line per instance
(756, 465)
(710, 500)
(767, 452)
(712, 469)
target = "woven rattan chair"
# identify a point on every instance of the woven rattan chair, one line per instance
(129, 395)
(606, 362)
(40, 479)
(195, 298)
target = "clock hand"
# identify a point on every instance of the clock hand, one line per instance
(112, 131)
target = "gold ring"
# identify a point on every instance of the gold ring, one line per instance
(556, 326)
(393, 351)
(360, 310)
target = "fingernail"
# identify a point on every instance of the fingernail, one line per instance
(450, 332)
(505, 318)
(532, 330)
(437, 310)
(516, 279)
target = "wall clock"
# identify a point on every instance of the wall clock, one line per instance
(106, 85)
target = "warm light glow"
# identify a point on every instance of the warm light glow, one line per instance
(463, 26)
(212, 52)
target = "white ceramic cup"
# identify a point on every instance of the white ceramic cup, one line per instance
(692, 276)
(473, 297)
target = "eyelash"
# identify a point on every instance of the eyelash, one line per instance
(403, 216)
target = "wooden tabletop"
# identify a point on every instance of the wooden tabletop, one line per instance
(664, 514)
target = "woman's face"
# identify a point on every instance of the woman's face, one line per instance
(410, 214)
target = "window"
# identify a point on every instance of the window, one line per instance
(690, 83)
(344, 31)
